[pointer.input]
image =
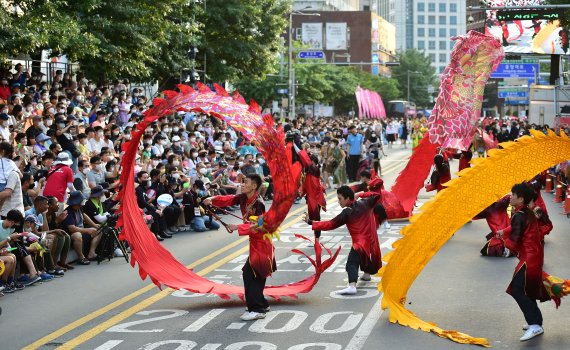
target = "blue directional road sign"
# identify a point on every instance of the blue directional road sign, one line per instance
(516, 70)
(507, 94)
(311, 54)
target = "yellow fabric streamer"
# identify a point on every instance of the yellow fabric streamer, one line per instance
(2, 267)
(476, 188)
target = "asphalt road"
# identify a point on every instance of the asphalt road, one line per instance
(109, 307)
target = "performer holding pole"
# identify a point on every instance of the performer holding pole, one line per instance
(261, 261)
(524, 238)
(359, 218)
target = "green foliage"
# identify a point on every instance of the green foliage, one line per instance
(414, 61)
(146, 39)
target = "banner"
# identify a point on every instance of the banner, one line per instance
(336, 36)
(312, 35)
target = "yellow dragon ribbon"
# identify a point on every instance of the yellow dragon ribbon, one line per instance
(440, 218)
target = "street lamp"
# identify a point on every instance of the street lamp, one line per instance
(411, 72)
(291, 71)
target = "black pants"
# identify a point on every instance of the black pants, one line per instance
(254, 285)
(159, 224)
(528, 305)
(315, 215)
(352, 265)
(352, 167)
(171, 215)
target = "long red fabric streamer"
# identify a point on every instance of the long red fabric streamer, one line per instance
(411, 179)
(157, 262)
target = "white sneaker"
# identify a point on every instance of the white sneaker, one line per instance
(350, 290)
(525, 327)
(118, 253)
(532, 332)
(387, 225)
(251, 316)
(365, 277)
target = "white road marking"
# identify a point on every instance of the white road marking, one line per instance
(109, 344)
(362, 333)
(202, 321)
(236, 325)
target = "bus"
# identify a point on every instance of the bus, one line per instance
(399, 109)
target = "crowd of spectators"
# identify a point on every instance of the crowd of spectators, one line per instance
(60, 160)
(61, 146)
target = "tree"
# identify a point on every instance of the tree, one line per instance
(146, 39)
(414, 61)
(565, 19)
(242, 38)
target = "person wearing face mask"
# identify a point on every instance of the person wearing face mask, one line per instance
(4, 130)
(80, 178)
(98, 141)
(4, 89)
(145, 199)
(159, 144)
(96, 174)
(60, 179)
(374, 145)
(195, 215)
(176, 146)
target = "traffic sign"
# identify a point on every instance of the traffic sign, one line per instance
(516, 70)
(283, 91)
(311, 55)
(508, 94)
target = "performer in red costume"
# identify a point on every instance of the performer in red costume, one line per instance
(465, 159)
(524, 238)
(440, 174)
(261, 261)
(380, 212)
(497, 218)
(312, 188)
(359, 219)
(538, 207)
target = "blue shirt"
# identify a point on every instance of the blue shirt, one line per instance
(354, 143)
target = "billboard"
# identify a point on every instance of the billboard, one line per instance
(527, 31)
(312, 35)
(336, 38)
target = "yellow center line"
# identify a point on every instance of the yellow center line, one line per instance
(160, 295)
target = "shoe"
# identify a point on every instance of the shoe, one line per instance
(95, 258)
(365, 277)
(350, 290)
(251, 316)
(83, 261)
(31, 280)
(67, 266)
(46, 277)
(17, 285)
(265, 309)
(533, 331)
(173, 229)
(525, 327)
(165, 234)
(9, 288)
(56, 273)
(118, 253)
(158, 238)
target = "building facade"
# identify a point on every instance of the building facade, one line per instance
(427, 25)
(326, 5)
(360, 38)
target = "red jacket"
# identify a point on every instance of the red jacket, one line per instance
(361, 224)
(312, 186)
(261, 250)
(525, 239)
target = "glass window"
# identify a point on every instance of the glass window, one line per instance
(431, 45)
(421, 45)
(441, 69)
(452, 7)
(431, 19)
(421, 32)
(421, 6)
(442, 32)
(442, 57)
(442, 20)
(432, 57)
(431, 32)
(442, 8)
(453, 20)
(431, 7)
(443, 45)
(421, 19)
(452, 32)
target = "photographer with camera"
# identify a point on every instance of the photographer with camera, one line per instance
(195, 214)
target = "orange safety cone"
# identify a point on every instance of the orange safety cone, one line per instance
(548, 186)
(559, 191)
(567, 202)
